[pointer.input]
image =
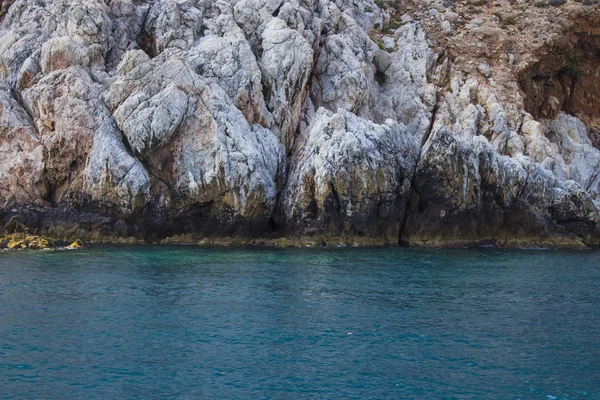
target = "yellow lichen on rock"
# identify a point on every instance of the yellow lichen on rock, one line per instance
(20, 241)
(15, 244)
(75, 245)
(37, 242)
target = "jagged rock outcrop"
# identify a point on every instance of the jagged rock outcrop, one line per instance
(84, 158)
(427, 122)
(21, 154)
(349, 176)
(198, 147)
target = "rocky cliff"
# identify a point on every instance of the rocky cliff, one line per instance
(422, 122)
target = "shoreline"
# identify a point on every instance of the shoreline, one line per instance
(7, 242)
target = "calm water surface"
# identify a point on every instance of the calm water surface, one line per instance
(184, 322)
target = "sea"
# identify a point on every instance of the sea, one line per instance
(186, 322)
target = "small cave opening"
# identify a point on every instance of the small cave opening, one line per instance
(147, 43)
(567, 78)
(380, 77)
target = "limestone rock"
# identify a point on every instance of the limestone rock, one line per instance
(61, 53)
(350, 176)
(364, 122)
(344, 69)
(73, 127)
(173, 24)
(286, 64)
(411, 68)
(21, 154)
(229, 62)
(195, 142)
(466, 192)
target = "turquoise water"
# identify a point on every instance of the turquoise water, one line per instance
(184, 322)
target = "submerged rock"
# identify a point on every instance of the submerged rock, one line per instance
(354, 121)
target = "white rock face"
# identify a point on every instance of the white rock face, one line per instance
(343, 78)
(344, 72)
(148, 103)
(229, 62)
(21, 154)
(286, 64)
(350, 175)
(173, 24)
(300, 117)
(411, 68)
(112, 172)
(83, 151)
(574, 157)
(194, 138)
